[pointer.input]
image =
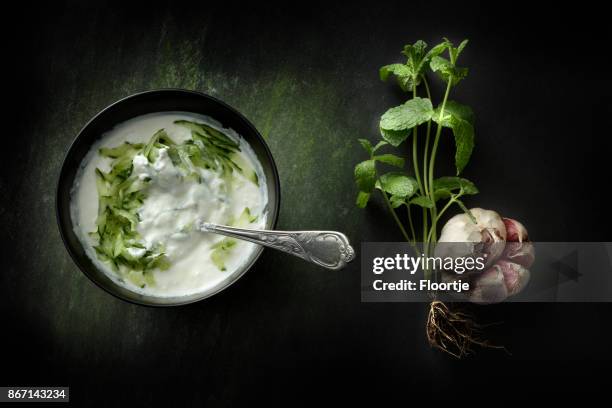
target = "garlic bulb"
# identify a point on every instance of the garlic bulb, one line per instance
(486, 237)
(505, 244)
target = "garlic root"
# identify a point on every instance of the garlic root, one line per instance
(453, 332)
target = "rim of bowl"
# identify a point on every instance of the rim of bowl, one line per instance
(61, 178)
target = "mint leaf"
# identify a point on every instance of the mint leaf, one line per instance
(453, 108)
(461, 46)
(409, 75)
(422, 201)
(435, 51)
(455, 183)
(403, 75)
(365, 175)
(379, 145)
(459, 74)
(459, 118)
(406, 116)
(406, 83)
(396, 123)
(441, 194)
(446, 69)
(366, 145)
(416, 58)
(453, 51)
(416, 51)
(441, 65)
(390, 159)
(464, 143)
(362, 199)
(399, 70)
(398, 184)
(396, 201)
(395, 137)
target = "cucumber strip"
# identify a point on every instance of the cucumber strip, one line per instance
(204, 129)
(115, 152)
(147, 152)
(120, 195)
(222, 144)
(246, 169)
(221, 251)
(219, 136)
(137, 278)
(101, 184)
(244, 219)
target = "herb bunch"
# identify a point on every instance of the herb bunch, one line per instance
(419, 117)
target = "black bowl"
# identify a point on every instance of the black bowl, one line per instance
(164, 100)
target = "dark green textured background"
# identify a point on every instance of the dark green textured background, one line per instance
(307, 78)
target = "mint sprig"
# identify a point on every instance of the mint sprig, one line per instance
(402, 122)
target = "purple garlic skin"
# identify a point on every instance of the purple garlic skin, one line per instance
(518, 248)
(515, 231)
(522, 253)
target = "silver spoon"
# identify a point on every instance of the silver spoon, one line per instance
(329, 249)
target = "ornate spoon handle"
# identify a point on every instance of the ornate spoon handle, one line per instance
(329, 249)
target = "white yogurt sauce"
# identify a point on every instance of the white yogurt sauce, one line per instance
(172, 207)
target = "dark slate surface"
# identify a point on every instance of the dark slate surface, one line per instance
(307, 78)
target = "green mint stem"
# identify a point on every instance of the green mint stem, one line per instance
(420, 181)
(415, 144)
(432, 162)
(410, 222)
(427, 137)
(446, 207)
(425, 162)
(395, 217)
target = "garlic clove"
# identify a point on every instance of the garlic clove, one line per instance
(489, 287)
(522, 253)
(518, 249)
(491, 221)
(516, 232)
(486, 237)
(516, 276)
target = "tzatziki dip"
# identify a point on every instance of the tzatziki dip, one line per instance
(146, 185)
